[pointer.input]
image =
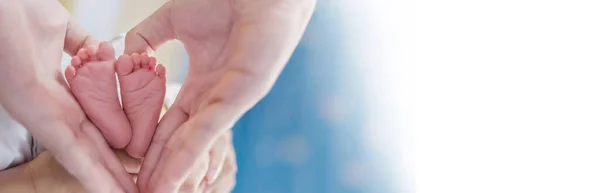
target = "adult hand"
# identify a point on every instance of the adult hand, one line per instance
(32, 89)
(49, 176)
(225, 177)
(237, 49)
(223, 160)
(225, 180)
(45, 175)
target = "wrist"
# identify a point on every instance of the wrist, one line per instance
(17, 179)
(49, 176)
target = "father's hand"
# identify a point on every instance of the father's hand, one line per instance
(237, 49)
(32, 89)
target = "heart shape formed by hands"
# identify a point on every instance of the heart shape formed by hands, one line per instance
(236, 51)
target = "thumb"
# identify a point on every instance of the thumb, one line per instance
(77, 38)
(153, 31)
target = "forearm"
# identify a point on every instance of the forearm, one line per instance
(17, 179)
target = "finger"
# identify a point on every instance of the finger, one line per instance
(193, 181)
(217, 158)
(158, 181)
(150, 33)
(156, 175)
(81, 158)
(225, 182)
(200, 133)
(167, 125)
(202, 187)
(111, 162)
(225, 185)
(77, 38)
(131, 165)
(191, 141)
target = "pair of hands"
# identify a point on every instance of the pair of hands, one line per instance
(45, 175)
(237, 49)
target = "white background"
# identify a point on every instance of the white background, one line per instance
(508, 96)
(382, 39)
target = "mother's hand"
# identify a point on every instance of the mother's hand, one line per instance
(32, 89)
(237, 49)
(225, 178)
(49, 176)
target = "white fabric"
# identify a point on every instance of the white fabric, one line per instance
(15, 142)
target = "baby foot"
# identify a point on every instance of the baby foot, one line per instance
(143, 87)
(92, 80)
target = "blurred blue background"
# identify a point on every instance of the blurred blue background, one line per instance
(304, 136)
